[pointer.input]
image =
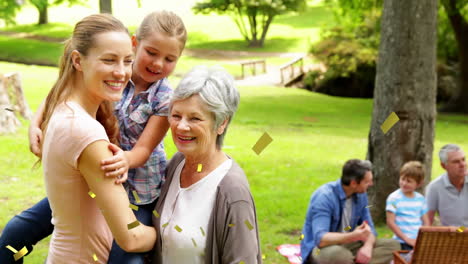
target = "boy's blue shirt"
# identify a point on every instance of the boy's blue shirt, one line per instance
(324, 215)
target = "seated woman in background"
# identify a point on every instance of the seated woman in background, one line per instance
(205, 213)
(79, 123)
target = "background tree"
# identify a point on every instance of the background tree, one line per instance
(406, 85)
(457, 11)
(42, 7)
(105, 6)
(252, 17)
(8, 9)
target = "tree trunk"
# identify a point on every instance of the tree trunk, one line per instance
(14, 79)
(460, 29)
(105, 6)
(43, 15)
(8, 120)
(405, 84)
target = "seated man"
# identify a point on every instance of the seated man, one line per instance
(448, 194)
(338, 228)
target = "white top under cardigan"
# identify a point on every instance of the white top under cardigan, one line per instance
(186, 214)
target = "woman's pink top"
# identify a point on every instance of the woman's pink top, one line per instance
(80, 230)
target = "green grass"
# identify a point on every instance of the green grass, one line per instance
(293, 32)
(302, 156)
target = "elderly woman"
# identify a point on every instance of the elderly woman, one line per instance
(205, 213)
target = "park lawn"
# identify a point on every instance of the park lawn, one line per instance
(303, 154)
(293, 32)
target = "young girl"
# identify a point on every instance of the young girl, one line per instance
(142, 114)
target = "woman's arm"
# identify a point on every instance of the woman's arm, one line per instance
(112, 199)
(152, 135)
(35, 132)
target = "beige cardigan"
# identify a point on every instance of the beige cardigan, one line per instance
(225, 243)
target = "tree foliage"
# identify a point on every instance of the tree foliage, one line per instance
(252, 17)
(42, 7)
(8, 10)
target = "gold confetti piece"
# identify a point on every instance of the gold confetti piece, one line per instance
(394, 206)
(369, 206)
(178, 228)
(242, 262)
(262, 143)
(232, 225)
(156, 214)
(133, 225)
(135, 195)
(91, 194)
(95, 257)
(199, 167)
(194, 243)
(301, 237)
(12, 249)
(391, 120)
(133, 207)
(347, 228)
(461, 229)
(263, 256)
(20, 253)
(248, 224)
(166, 224)
(202, 231)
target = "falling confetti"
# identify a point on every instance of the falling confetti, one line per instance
(133, 225)
(347, 228)
(262, 143)
(263, 256)
(135, 195)
(369, 206)
(248, 224)
(202, 231)
(194, 243)
(461, 229)
(391, 120)
(301, 237)
(199, 167)
(156, 214)
(178, 228)
(91, 194)
(134, 207)
(166, 224)
(18, 254)
(95, 257)
(242, 262)
(232, 225)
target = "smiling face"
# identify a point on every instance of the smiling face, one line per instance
(192, 127)
(408, 185)
(156, 56)
(365, 183)
(107, 67)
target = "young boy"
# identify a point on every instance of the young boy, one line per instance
(407, 209)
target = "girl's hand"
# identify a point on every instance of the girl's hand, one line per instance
(117, 166)
(35, 138)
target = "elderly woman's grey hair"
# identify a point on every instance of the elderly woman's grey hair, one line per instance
(444, 151)
(216, 88)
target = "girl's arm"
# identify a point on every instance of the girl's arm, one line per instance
(396, 230)
(152, 135)
(35, 132)
(113, 201)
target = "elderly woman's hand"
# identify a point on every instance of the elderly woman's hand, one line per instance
(117, 166)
